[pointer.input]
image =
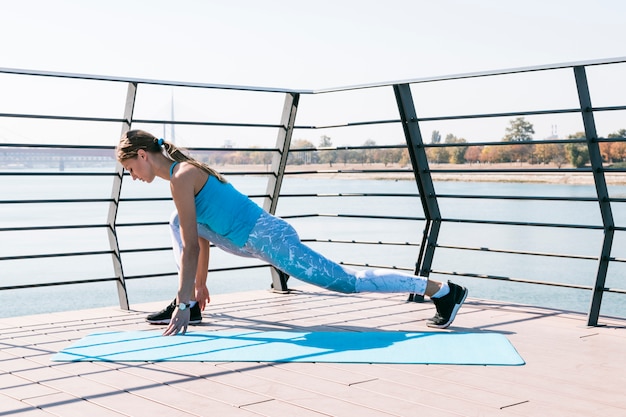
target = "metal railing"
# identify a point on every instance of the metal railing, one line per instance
(428, 214)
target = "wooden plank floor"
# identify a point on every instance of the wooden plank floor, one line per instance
(571, 369)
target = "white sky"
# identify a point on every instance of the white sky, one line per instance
(305, 44)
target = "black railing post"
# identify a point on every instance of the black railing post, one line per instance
(602, 191)
(419, 161)
(279, 162)
(114, 205)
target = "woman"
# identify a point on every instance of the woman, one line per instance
(209, 209)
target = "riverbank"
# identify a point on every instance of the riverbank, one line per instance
(476, 173)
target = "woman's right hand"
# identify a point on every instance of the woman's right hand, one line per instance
(178, 322)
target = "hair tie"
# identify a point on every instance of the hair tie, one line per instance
(160, 142)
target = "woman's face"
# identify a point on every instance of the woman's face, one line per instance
(139, 167)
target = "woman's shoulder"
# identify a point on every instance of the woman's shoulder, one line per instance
(186, 174)
(186, 168)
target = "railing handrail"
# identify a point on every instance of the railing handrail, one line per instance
(418, 80)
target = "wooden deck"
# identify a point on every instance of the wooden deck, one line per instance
(571, 369)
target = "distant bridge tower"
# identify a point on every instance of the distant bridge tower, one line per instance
(169, 130)
(553, 132)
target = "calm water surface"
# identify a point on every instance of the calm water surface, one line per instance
(457, 233)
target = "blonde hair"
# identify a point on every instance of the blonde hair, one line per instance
(134, 140)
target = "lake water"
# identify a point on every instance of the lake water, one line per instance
(546, 240)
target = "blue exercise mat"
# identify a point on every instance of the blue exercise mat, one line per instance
(284, 346)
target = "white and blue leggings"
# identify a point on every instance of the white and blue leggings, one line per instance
(276, 242)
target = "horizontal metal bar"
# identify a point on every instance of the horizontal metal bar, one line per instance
(198, 123)
(608, 108)
(518, 280)
(498, 115)
(143, 276)
(505, 143)
(143, 199)
(351, 195)
(517, 197)
(234, 149)
(55, 146)
(518, 113)
(54, 255)
(526, 281)
(56, 174)
(58, 201)
(141, 250)
(533, 224)
(141, 224)
(399, 268)
(371, 216)
(56, 283)
(347, 148)
(519, 252)
(361, 242)
(349, 124)
(173, 273)
(56, 227)
(513, 170)
(67, 118)
(349, 171)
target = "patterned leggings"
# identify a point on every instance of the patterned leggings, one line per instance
(276, 242)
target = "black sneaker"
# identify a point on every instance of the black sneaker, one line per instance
(164, 316)
(447, 306)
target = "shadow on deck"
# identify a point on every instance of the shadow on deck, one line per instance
(571, 369)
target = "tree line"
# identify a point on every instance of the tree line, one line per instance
(515, 146)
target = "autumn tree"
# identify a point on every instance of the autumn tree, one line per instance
(327, 156)
(369, 155)
(520, 130)
(472, 154)
(405, 158)
(577, 153)
(437, 154)
(616, 149)
(494, 154)
(544, 153)
(456, 154)
(301, 157)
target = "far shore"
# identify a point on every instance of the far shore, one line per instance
(355, 171)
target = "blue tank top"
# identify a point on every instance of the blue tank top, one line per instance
(226, 211)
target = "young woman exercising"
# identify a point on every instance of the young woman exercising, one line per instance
(209, 209)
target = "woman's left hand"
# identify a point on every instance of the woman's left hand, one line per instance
(202, 296)
(178, 322)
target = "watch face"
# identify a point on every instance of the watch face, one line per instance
(182, 306)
